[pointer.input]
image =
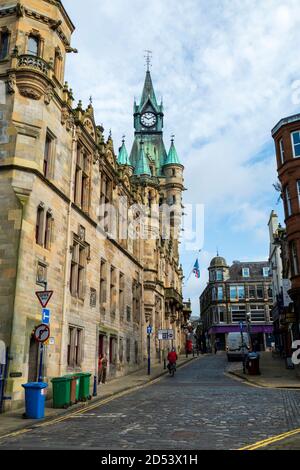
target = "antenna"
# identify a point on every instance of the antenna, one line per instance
(148, 58)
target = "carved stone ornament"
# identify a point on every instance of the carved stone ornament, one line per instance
(29, 92)
(11, 83)
(67, 119)
(20, 11)
(48, 94)
(96, 157)
(126, 182)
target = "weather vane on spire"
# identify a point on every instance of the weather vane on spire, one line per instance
(91, 100)
(148, 58)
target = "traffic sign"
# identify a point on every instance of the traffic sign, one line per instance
(45, 316)
(44, 296)
(165, 334)
(149, 330)
(42, 333)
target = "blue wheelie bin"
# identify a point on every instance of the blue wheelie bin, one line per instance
(35, 395)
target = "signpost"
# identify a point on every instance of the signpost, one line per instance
(41, 334)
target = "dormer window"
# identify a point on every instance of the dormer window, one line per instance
(33, 45)
(266, 272)
(246, 272)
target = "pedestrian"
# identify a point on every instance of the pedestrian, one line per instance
(100, 368)
(216, 345)
(104, 368)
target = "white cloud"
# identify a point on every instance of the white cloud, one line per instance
(225, 70)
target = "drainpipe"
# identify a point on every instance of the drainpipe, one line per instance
(68, 255)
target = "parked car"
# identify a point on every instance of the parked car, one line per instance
(235, 347)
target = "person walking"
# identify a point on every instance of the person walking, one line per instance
(100, 368)
(104, 368)
(217, 341)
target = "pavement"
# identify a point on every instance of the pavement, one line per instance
(202, 407)
(274, 373)
(13, 421)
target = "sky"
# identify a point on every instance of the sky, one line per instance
(228, 71)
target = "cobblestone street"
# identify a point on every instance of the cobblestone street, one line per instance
(212, 411)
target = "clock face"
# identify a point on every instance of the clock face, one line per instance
(148, 119)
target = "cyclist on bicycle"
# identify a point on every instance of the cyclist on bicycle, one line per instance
(172, 358)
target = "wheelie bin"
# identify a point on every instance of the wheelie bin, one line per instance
(35, 395)
(74, 387)
(61, 392)
(84, 386)
(253, 363)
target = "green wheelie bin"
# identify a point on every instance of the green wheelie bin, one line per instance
(84, 386)
(61, 392)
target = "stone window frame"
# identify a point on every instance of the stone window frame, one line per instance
(49, 223)
(40, 224)
(113, 290)
(82, 181)
(7, 33)
(121, 295)
(75, 346)
(78, 271)
(103, 285)
(49, 154)
(35, 33)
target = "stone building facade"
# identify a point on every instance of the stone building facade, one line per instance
(233, 292)
(67, 199)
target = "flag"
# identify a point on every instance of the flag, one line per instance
(196, 269)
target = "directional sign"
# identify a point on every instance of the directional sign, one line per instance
(149, 330)
(42, 333)
(46, 316)
(165, 334)
(44, 296)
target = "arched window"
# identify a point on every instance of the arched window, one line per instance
(33, 45)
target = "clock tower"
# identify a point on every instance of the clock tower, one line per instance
(148, 124)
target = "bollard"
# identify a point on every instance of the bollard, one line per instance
(95, 386)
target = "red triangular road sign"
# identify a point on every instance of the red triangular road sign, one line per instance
(44, 296)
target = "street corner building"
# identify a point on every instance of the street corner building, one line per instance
(233, 294)
(67, 198)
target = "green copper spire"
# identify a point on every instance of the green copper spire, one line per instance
(172, 158)
(123, 158)
(148, 93)
(142, 166)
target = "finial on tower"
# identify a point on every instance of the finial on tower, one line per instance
(123, 138)
(91, 100)
(172, 138)
(148, 58)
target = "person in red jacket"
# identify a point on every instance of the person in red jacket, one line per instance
(172, 357)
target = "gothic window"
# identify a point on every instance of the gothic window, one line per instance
(103, 285)
(48, 230)
(4, 44)
(33, 45)
(49, 152)
(75, 346)
(113, 273)
(39, 227)
(78, 268)
(105, 202)
(121, 294)
(82, 179)
(58, 64)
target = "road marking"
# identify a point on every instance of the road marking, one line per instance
(93, 406)
(271, 440)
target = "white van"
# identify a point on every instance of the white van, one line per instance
(234, 345)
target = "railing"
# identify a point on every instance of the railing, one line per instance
(33, 62)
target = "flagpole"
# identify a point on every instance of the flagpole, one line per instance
(191, 271)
